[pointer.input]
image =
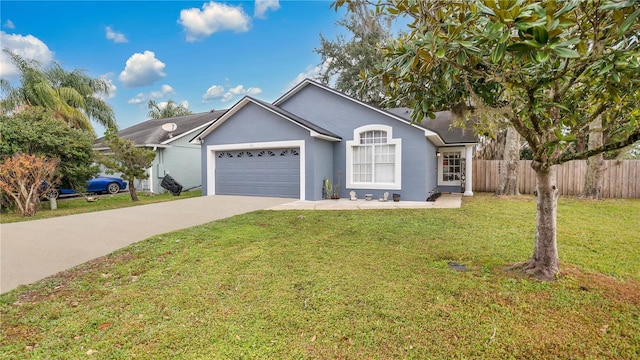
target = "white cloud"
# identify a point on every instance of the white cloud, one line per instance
(213, 92)
(185, 104)
(312, 72)
(227, 97)
(254, 91)
(139, 99)
(218, 91)
(164, 90)
(28, 47)
(142, 69)
(238, 90)
(142, 97)
(115, 36)
(262, 6)
(9, 24)
(213, 17)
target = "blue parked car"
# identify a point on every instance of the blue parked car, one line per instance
(98, 185)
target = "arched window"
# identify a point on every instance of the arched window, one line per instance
(373, 159)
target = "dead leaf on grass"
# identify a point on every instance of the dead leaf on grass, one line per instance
(313, 338)
(604, 328)
(104, 325)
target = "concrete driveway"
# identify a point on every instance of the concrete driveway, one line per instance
(33, 250)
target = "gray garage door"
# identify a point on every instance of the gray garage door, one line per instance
(268, 172)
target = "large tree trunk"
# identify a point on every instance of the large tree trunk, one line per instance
(593, 177)
(132, 190)
(544, 263)
(510, 163)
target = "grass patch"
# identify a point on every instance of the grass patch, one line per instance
(78, 205)
(369, 284)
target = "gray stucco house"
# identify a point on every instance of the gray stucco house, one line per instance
(175, 155)
(287, 148)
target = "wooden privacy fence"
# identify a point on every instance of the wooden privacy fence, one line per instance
(621, 178)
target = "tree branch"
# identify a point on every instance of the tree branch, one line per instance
(589, 153)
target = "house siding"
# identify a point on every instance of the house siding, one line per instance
(323, 168)
(342, 116)
(182, 162)
(253, 124)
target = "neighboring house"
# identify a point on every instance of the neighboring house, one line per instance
(174, 154)
(313, 132)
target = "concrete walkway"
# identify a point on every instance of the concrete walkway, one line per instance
(33, 250)
(445, 201)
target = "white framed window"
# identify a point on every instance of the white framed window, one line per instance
(374, 159)
(450, 166)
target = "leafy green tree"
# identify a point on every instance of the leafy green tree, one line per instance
(37, 131)
(345, 58)
(127, 159)
(71, 95)
(550, 68)
(171, 109)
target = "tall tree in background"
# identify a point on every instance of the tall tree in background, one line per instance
(551, 68)
(127, 159)
(171, 109)
(345, 59)
(71, 95)
(593, 176)
(504, 145)
(510, 164)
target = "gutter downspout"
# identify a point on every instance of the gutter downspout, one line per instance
(155, 148)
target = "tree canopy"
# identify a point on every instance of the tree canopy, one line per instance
(345, 58)
(550, 68)
(127, 159)
(170, 109)
(71, 95)
(37, 131)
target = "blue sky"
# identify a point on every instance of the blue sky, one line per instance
(206, 55)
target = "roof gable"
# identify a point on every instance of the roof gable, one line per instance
(308, 82)
(314, 130)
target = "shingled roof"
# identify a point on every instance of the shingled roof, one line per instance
(150, 132)
(442, 125)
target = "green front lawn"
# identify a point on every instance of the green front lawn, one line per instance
(348, 285)
(79, 205)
